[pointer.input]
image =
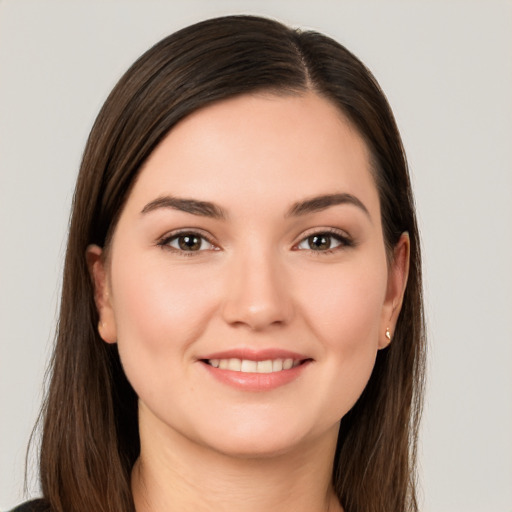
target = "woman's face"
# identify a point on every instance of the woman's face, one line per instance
(247, 284)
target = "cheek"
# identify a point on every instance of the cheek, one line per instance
(344, 305)
(160, 311)
(343, 309)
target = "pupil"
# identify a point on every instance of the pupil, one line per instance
(319, 242)
(189, 242)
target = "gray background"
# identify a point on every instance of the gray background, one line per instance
(446, 67)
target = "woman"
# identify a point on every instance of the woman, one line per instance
(241, 320)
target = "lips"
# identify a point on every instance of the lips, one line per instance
(255, 370)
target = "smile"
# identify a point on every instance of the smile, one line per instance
(255, 370)
(250, 366)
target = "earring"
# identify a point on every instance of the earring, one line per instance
(388, 334)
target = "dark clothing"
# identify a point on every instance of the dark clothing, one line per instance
(32, 506)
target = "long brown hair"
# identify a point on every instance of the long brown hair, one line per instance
(90, 432)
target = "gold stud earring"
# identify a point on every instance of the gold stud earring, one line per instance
(388, 334)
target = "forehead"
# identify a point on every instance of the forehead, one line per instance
(260, 147)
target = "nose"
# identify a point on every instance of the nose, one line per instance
(257, 292)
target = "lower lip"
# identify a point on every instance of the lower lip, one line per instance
(256, 381)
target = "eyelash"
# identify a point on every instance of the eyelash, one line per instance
(164, 243)
(344, 242)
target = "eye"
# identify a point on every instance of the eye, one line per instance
(187, 242)
(323, 242)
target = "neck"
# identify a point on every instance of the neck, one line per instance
(175, 473)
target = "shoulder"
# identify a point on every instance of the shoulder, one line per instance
(32, 506)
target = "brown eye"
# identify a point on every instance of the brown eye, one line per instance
(324, 242)
(319, 242)
(187, 242)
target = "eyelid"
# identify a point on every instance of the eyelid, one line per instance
(164, 240)
(345, 239)
(324, 230)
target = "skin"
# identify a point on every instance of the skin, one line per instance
(258, 282)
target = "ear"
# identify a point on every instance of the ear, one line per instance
(102, 296)
(397, 281)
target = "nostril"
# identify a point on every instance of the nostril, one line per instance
(273, 313)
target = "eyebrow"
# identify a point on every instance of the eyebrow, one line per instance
(319, 203)
(193, 206)
(208, 209)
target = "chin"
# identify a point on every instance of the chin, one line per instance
(260, 440)
(261, 448)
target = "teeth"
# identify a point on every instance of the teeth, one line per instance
(264, 366)
(234, 364)
(249, 366)
(277, 365)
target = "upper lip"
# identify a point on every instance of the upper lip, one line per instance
(255, 354)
